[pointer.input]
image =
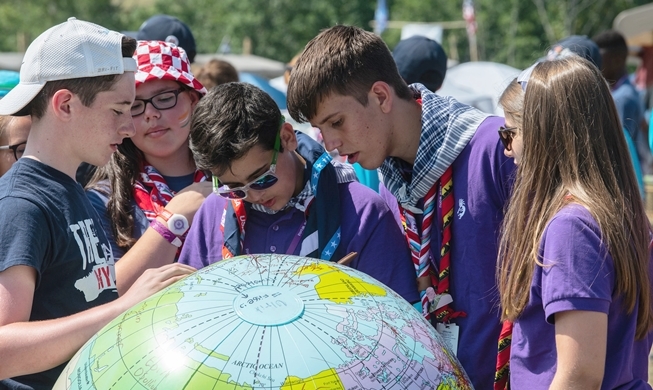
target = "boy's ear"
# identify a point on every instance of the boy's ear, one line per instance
(288, 137)
(382, 95)
(62, 102)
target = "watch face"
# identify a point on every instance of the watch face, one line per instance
(178, 224)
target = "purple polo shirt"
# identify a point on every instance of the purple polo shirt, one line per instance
(578, 275)
(482, 179)
(367, 226)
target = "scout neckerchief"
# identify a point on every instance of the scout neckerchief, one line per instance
(420, 247)
(447, 127)
(502, 372)
(320, 235)
(151, 192)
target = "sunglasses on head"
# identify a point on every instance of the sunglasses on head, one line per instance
(506, 135)
(266, 180)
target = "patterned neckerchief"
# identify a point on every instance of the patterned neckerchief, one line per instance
(447, 127)
(151, 192)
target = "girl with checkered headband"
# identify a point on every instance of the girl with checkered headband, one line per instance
(151, 185)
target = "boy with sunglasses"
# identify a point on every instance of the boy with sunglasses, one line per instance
(441, 160)
(287, 195)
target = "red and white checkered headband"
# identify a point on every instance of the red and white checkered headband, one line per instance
(158, 60)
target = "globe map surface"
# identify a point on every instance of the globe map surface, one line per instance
(268, 322)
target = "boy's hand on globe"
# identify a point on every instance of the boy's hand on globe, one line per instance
(152, 281)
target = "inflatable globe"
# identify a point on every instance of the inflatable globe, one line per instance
(268, 322)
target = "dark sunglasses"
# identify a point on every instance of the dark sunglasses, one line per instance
(506, 135)
(266, 180)
(161, 101)
(18, 149)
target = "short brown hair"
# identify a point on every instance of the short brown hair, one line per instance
(345, 60)
(86, 88)
(216, 72)
(228, 122)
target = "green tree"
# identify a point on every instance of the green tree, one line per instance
(22, 21)
(278, 29)
(515, 32)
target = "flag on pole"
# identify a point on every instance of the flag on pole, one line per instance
(470, 16)
(380, 17)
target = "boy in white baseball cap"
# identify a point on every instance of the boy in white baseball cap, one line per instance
(58, 281)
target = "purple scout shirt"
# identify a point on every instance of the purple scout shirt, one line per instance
(578, 275)
(367, 227)
(482, 180)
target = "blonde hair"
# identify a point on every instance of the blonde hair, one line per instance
(512, 102)
(574, 145)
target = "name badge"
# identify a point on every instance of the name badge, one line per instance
(450, 333)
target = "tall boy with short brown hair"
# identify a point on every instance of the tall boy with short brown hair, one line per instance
(443, 162)
(58, 281)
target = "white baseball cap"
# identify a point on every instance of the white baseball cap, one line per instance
(70, 50)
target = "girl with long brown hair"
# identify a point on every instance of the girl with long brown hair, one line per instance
(574, 261)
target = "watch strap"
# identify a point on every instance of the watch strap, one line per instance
(165, 233)
(164, 213)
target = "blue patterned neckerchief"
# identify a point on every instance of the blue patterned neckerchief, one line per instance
(447, 127)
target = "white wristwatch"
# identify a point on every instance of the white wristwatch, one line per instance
(177, 223)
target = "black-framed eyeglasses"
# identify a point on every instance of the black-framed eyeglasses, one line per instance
(266, 180)
(161, 101)
(18, 149)
(506, 135)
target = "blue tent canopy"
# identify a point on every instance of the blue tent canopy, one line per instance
(261, 82)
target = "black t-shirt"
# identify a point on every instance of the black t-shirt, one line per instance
(47, 222)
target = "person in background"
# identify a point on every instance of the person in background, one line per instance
(171, 30)
(441, 159)
(585, 321)
(13, 130)
(152, 180)
(421, 60)
(13, 140)
(216, 72)
(58, 281)
(281, 82)
(288, 196)
(614, 52)
(586, 48)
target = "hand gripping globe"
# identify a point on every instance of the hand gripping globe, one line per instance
(268, 322)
